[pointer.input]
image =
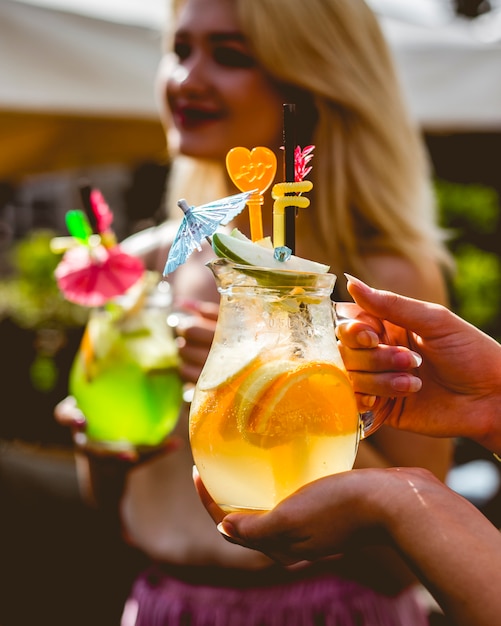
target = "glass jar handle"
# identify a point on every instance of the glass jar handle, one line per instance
(373, 418)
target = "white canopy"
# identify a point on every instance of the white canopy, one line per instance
(450, 70)
(71, 62)
(95, 61)
(75, 90)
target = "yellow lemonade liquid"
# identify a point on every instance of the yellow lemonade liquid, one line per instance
(272, 427)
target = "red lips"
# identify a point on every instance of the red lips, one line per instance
(187, 116)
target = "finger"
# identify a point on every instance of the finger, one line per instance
(132, 456)
(198, 333)
(68, 414)
(381, 359)
(190, 373)
(213, 509)
(386, 385)
(416, 315)
(348, 312)
(247, 529)
(209, 310)
(192, 353)
(356, 334)
(192, 362)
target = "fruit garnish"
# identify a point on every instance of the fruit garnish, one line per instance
(241, 250)
(283, 399)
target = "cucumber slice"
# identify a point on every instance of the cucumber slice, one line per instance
(239, 249)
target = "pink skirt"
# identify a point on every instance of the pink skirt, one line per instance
(172, 596)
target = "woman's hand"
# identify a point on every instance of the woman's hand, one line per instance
(195, 331)
(102, 472)
(453, 548)
(460, 373)
(321, 519)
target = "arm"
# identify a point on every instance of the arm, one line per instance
(102, 475)
(449, 544)
(389, 447)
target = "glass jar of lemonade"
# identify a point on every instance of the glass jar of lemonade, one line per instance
(273, 408)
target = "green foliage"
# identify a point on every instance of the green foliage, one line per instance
(30, 295)
(468, 206)
(478, 286)
(471, 215)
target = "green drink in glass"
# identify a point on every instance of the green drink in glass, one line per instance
(125, 375)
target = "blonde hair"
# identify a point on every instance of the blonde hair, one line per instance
(372, 187)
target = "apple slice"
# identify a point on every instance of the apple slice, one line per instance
(238, 248)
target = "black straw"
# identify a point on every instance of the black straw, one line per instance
(85, 189)
(289, 137)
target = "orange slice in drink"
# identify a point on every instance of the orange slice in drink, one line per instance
(216, 407)
(281, 400)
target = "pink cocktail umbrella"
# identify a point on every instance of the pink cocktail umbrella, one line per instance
(93, 276)
(95, 269)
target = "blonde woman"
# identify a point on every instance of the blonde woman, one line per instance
(228, 68)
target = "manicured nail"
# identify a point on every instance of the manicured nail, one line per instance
(356, 281)
(368, 401)
(227, 530)
(368, 339)
(406, 383)
(407, 359)
(416, 358)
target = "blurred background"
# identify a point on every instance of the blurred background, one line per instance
(77, 104)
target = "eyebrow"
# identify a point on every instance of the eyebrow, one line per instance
(223, 37)
(217, 37)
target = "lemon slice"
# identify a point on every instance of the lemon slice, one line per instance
(256, 383)
(283, 399)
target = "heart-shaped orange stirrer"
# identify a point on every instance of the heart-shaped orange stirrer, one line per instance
(252, 169)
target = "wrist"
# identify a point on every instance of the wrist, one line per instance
(393, 502)
(488, 423)
(372, 504)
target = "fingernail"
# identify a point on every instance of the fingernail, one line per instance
(368, 339)
(406, 383)
(416, 358)
(356, 281)
(407, 359)
(368, 401)
(226, 529)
